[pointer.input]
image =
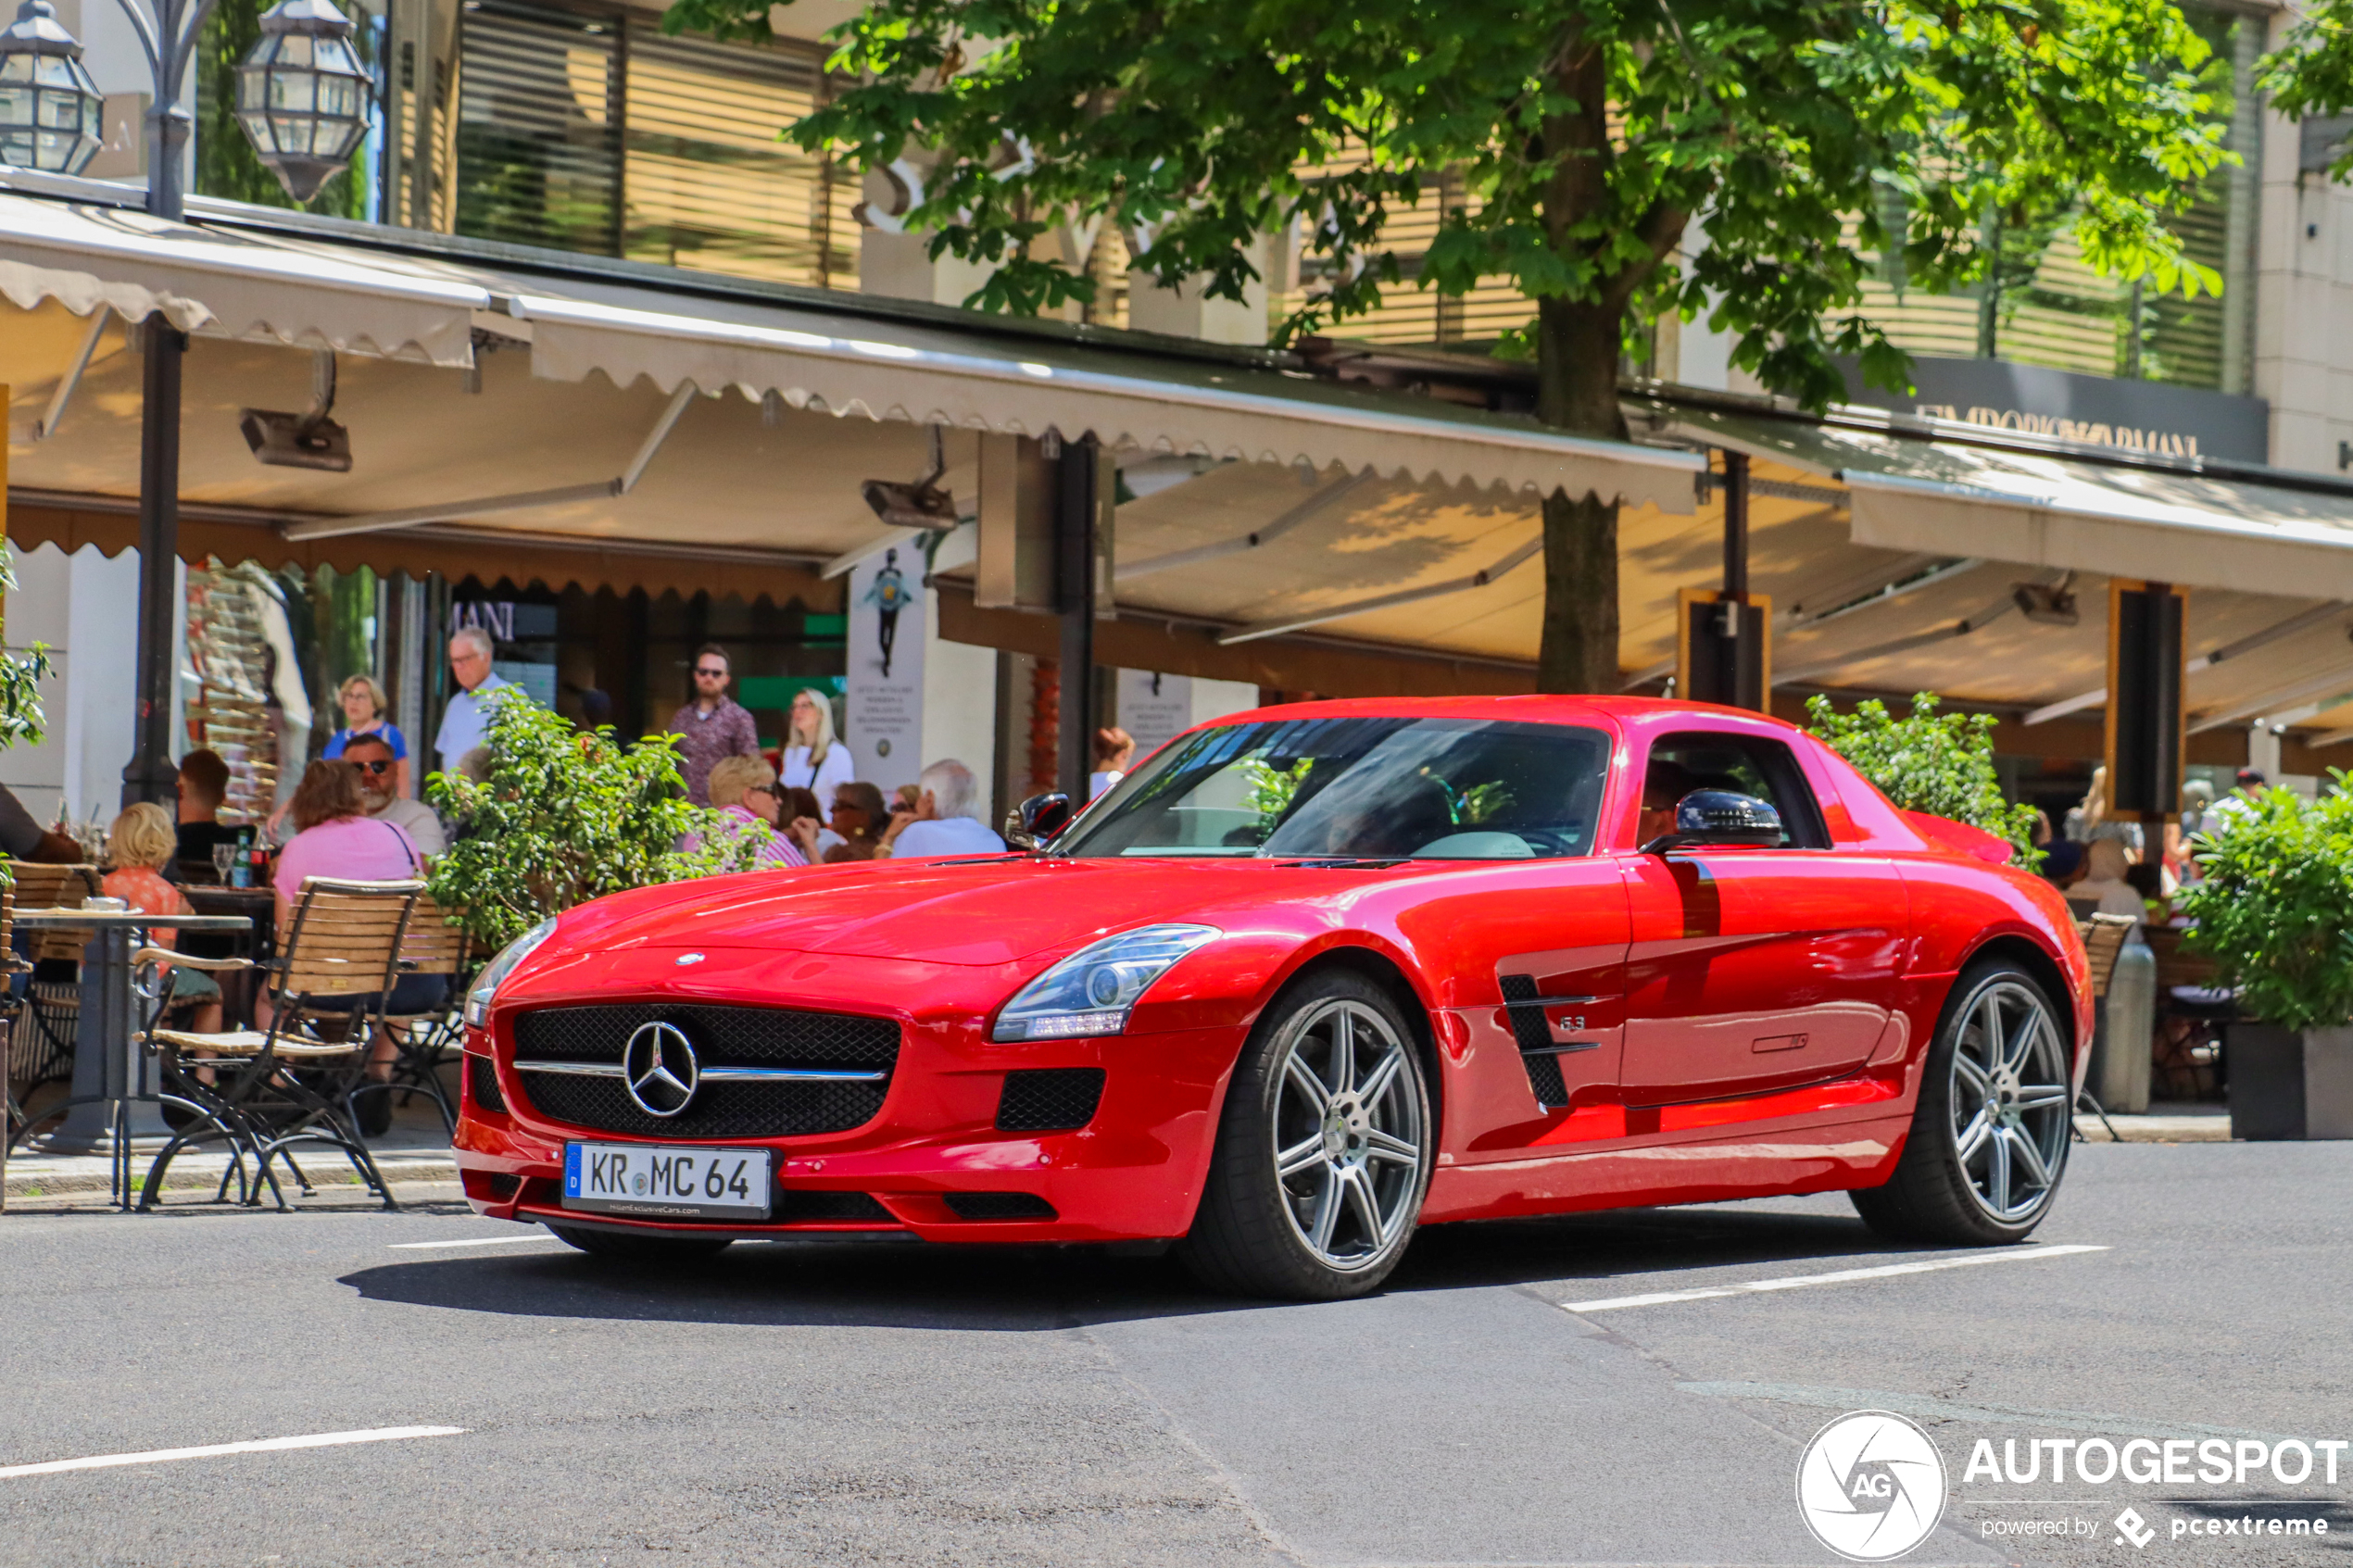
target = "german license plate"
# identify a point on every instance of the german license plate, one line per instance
(663, 1182)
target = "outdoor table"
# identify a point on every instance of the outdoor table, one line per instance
(114, 1100)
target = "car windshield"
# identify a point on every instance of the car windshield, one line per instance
(1369, 789)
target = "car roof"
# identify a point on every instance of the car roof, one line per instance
(1538, 708)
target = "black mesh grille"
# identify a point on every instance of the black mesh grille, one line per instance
(1528, 1017)
(722, 1036)
(999, 1206)
(1048, 1100)
(1544, 1077)
(482, 1083)
(799, 1205)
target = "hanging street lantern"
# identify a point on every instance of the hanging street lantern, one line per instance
(302, 95)
(50, 110)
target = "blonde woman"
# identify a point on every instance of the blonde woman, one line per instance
(813, 759)
(363, 712)
(744, 788)
(141, 842)
(2089, 824)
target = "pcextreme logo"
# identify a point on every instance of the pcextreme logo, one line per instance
(1870, 1486)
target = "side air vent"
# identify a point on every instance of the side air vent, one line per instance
(998, 1206)
(482, 1081)
(1050, 1099)
(1544, 1078)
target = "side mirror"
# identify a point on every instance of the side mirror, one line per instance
(1037, 819)
(1719, 819)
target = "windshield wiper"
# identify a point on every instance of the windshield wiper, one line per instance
(1317, 862)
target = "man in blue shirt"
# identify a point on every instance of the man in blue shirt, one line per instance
(463, 721)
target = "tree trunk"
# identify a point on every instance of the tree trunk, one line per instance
(1576, 368)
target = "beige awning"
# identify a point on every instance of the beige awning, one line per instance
(232, 284)
(2263, 532)
(980, 376)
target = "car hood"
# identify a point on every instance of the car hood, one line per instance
(990, 911)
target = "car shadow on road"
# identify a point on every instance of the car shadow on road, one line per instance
(1030, 1289)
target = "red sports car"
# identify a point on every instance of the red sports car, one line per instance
(1306, 979)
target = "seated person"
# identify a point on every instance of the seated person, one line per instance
(21, 838)
(139, 845)
(859, 818)
(371, 756)
(335, 837)
(742, 789)
(204, 787)
(945, 820)
(2104, 887)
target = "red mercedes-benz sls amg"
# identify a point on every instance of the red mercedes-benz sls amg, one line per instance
(1308, 978)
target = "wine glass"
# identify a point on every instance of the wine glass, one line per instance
(223, 854)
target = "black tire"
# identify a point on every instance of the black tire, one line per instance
(622, 1247)
(1940, 1196)
(1252, 1233)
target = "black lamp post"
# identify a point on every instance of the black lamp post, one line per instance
(302, 98)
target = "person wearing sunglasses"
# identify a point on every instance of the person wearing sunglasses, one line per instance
(713, 725)
(371, 756)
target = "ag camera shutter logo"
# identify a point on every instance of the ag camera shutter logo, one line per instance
(1870, 1486)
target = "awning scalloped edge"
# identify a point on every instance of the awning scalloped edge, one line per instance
(27, 287)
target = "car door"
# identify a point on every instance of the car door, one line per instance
(1752, 970)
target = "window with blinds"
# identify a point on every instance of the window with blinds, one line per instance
(591, 131)
(539, 115)
(709, 184)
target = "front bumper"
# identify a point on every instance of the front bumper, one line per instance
(1133, 1172)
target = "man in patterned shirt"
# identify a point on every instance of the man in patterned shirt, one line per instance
(713, 725)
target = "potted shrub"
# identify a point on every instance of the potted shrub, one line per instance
(568, 815)
(2274, 911)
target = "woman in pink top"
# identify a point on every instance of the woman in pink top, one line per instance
(338, 839)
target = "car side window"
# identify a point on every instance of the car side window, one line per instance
(1682, 762)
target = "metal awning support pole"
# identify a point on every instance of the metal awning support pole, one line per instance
(55, 414)
(1736, 526)
(1076, 502)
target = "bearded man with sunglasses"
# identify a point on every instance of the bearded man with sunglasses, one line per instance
(713, 725)
(371, 757)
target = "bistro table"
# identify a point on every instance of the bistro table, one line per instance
(115, 1100)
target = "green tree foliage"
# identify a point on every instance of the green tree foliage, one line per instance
(2311, 75)
(2274, 906)
(1593, 141)
(1939, 763)
(21, 673)
(566, 816)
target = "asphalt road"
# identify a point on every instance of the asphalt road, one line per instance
(901, 1404)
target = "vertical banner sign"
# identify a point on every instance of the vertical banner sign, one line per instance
(885, 697)
(1154, 708)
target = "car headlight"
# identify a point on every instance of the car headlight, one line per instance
(495, 972)
(1091, 991)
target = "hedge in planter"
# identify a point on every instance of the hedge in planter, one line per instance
(2274, 910)
(1939, 763)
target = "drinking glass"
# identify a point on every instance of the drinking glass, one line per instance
(222, 854)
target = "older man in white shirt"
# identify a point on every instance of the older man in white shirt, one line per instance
(946, 821)
(464, 721)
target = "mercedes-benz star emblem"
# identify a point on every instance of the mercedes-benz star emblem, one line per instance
(660, 1068)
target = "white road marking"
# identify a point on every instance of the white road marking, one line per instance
(1843, 1276)
(262, 1445)
(475, 1241)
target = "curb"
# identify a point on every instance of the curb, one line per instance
(2155, 1129)
(190, 1179)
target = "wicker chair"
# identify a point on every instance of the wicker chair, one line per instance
(291, 1082)
(433, 946)
(49, 1015)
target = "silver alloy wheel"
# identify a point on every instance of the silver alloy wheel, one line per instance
(1348, 1133)
(2012, 1096)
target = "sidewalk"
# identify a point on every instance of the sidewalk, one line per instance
(2164, 1123)
(417, 1149)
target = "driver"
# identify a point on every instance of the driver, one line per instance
(1666, 784)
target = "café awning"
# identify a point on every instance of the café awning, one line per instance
(86, 255)
(2206, 525)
